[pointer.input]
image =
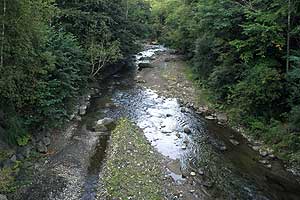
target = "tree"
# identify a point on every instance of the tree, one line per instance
(103, 54)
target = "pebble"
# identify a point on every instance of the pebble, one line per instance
(193, 174)
(210, 117)
(234, 142)
(223, 148)
(263, 153)
(201, 172)
(187, 130)
(255, 148)
(264, 162)
(192, 191)
(272, 156)
(183, 147)
(178, 135)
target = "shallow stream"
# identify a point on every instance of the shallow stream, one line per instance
(234, 173)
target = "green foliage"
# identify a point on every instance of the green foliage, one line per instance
(239, 49)
(6, 180)
(259, 92)
(50, 49)
(23, 140)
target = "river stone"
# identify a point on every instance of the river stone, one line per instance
(46, 141)
(183, 147)
(187, 130)
(193, 173)
(269, 166)
(144, 65)
(221, 117)
(265, 162)
(223, 148)
(82, 109)
(25, 151)
(263, 153)
(41, 147)
(234, 142)
(210, 117)
(105, 121)
(3, 197)
(13, 158)
(101, 128)
(201, 172)
(103, 124)
(255, 148)
(183, 109)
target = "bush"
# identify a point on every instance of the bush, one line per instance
(294, 119)
(259, 92)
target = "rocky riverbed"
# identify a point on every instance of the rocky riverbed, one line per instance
(198, 156)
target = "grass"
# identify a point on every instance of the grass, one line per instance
(132, 170)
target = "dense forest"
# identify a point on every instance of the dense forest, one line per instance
(247, 54)
(51, 49)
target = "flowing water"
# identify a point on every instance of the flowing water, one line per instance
(231, 174)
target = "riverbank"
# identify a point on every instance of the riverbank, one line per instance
(276, 147)
(166, 129)
(169, 77)
(166, 82)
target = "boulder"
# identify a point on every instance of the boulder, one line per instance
(23, 152)
(221, 117)
(41, 147)
(106, 121)
(46, 141)
(82, 109)
(144, 65)
(104, 124)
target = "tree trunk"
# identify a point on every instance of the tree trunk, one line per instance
(288, 37)
(3, 33)
(127, 9)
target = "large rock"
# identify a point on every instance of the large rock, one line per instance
(41, 147)
(221, 117)
(3, 197)
(82, 109)
(144, 65)
(104, 124)
(46, 141)
(24, 152)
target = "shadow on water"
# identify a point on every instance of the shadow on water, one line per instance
(90, 187)
(231, 174)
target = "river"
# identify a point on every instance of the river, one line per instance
(232, 174)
